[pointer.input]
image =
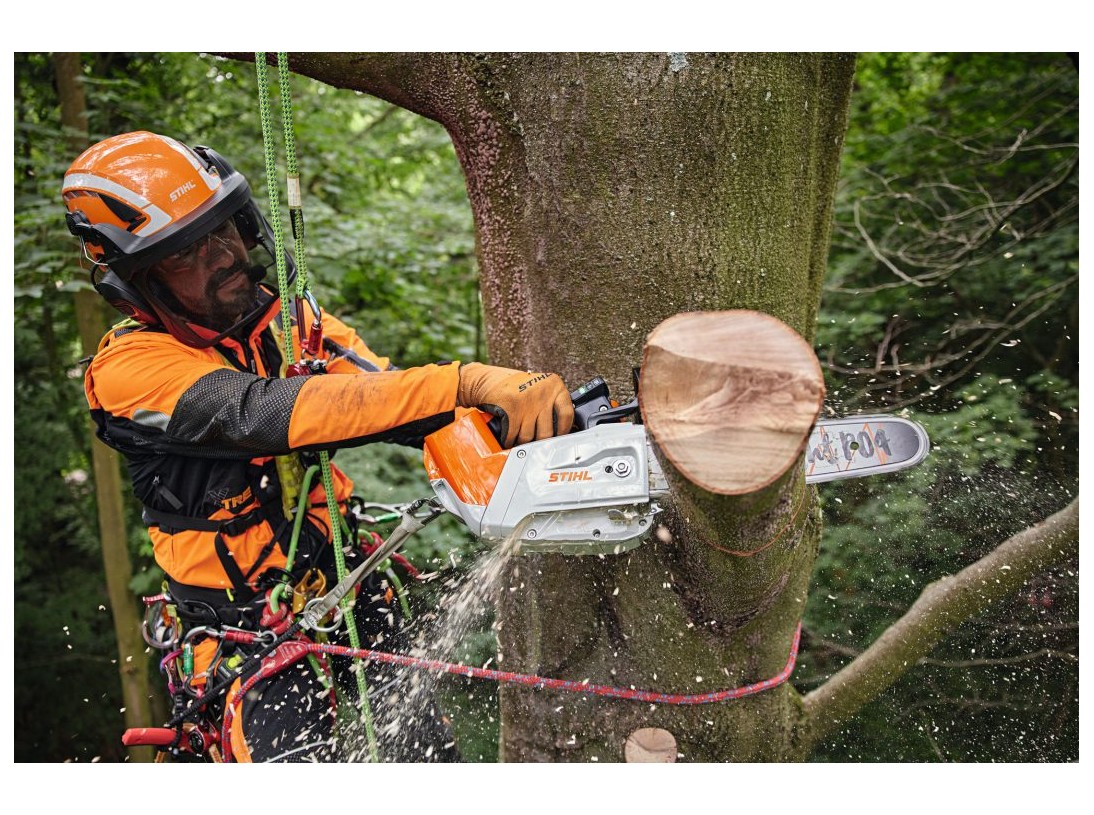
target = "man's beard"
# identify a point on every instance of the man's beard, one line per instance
(222, 312)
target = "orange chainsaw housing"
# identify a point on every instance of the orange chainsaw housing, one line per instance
(466, 455)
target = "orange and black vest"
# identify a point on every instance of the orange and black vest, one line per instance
(202, 429)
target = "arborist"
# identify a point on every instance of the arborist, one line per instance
(195, 391)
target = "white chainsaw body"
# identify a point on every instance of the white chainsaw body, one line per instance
(592, 492)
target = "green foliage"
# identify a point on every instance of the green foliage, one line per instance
(988, 427)
(391, 234)
(960, 170)
(956, 225)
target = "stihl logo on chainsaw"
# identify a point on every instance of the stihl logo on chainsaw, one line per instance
(569, 475)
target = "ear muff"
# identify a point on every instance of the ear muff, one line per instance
(125, 298)
(249, 224)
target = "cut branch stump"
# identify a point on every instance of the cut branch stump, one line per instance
(730, 397)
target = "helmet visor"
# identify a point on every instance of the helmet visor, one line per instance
(205, 250)
(208, 290)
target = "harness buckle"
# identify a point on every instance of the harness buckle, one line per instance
(239, 525)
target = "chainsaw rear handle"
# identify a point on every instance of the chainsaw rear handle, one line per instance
(592, 406)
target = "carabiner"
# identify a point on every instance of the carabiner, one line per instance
(336, 616)
(157, 629)
(208, 631)
(265, 637)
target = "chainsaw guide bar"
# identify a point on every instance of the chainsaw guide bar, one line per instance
(858, 446)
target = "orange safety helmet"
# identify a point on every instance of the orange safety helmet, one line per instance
(137, 198)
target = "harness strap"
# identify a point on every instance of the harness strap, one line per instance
(241, 581)
(228, 563)
(274, 540)
(229, 526)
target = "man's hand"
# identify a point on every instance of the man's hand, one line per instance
(530, 406)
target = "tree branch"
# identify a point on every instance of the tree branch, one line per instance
(942, 605)
(410, 80)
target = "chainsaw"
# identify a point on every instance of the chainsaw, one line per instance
(598, 489)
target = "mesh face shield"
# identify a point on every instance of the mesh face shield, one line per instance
(257, 238)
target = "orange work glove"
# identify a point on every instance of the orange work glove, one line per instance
(530, 406)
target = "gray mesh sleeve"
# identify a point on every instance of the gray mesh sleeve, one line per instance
(239, 411)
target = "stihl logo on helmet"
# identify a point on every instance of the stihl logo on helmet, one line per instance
(185, 188)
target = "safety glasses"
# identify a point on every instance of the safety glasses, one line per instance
(224, 238)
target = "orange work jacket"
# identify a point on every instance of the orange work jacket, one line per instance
(200, 430)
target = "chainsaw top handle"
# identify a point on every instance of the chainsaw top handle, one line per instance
(592, 406)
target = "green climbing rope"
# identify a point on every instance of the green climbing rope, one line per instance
(281, 589)
(296, 219)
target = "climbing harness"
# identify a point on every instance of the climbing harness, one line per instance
(202, 700)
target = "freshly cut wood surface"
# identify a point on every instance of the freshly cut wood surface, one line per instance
(730, 397)
(650, 745)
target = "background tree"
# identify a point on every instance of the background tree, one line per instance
(65, 642)
(106, 464)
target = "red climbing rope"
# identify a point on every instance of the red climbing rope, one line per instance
(300, 647)
(570, 685)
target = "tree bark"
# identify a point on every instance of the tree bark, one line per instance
(611, 191)
(132, 660)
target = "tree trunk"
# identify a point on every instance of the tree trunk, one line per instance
(611, 191)
(132, 660)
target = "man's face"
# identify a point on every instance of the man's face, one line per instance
(209, 278)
